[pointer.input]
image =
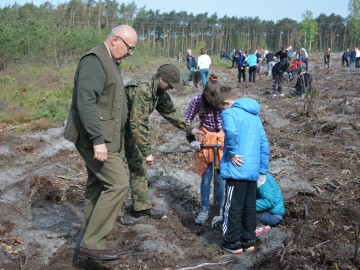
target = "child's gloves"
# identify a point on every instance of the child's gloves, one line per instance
(261, 180)
(195, 145)
(215, 220)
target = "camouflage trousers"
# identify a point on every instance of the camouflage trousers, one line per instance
(138, 174)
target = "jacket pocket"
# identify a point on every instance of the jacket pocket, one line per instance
(107, 123)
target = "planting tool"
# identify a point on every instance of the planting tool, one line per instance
(214, 213)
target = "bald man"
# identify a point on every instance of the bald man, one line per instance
(96, 126)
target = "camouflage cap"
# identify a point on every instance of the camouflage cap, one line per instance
(171, 74)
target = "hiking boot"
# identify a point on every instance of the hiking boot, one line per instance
(248, 246)
(153, 213)
(127, 220)
(235, 247)
(202, 217)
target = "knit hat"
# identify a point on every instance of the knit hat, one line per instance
(171, 74)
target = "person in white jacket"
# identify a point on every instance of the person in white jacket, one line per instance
(204, 63)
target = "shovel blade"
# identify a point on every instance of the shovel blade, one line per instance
(214, 211)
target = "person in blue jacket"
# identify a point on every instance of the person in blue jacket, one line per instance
(352, 57)
(269, 201)
(245, 160)
(345, 58)
(241, 67)
(251, 62)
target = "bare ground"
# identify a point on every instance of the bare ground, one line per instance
(315, 160)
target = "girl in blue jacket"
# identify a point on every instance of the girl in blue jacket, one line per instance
(251, 62)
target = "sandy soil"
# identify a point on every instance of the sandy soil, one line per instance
(315, 160)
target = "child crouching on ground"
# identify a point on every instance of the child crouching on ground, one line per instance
(245, 159)
(269, 201)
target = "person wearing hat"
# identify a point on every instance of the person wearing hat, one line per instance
(143, 98)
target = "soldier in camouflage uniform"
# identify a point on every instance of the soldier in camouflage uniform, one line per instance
(143, 99)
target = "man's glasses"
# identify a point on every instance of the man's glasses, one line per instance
(130, 49)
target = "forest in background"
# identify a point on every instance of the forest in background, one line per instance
(54, 34)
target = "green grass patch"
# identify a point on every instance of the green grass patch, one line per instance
(35, 97)
(34, 93)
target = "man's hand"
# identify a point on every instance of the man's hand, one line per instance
(149, 160)
(236, 160)
(195, 145)
(197, 132)
(100, 152)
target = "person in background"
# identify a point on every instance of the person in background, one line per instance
(352, 58)
(241, 67)
(180, 57)
(327, 54)
(265, 51)
(357, 57)
(288, 51)
(278, 72)
(232, 58)
(282, 54)
(269, 201)
(204, 63)
(270, 63)
(304, 57)
(251, 62)
(211, 125)
(345, 58)
(143, 98)
(96, 127)
(191, 65)
(303, 84)
(245, 160)
(296, 66)
(258, 64)
(236, 58)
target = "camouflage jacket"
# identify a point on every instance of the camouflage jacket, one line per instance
(142, 101)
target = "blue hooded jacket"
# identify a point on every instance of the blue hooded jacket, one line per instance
(251, 60)
(244, 136)
(269, 197)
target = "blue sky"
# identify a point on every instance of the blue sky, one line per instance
(265, 9)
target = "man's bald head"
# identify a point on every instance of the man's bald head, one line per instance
(121, 42)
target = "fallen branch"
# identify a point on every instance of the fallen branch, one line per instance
(306, 193)
(184, 201)
(68, 178)
(306, 212)
(183, 188)
(317, 245)
(281, 254)
(205, 264)
(56, 235)
(357, 238)
(318, 189)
